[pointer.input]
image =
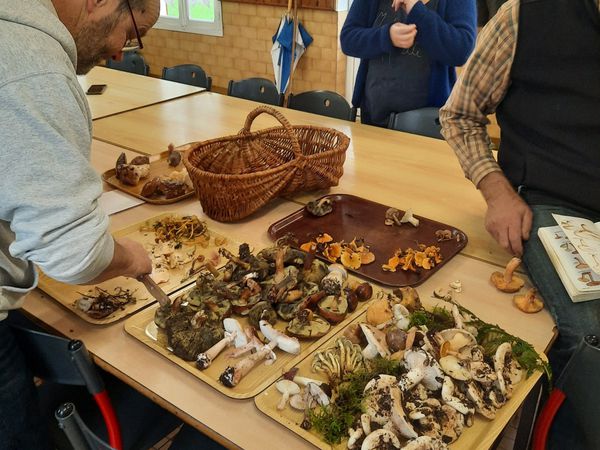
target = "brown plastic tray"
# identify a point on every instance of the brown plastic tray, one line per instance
(158, 168)
(357, 217)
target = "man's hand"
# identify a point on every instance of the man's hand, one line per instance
(407, 5)
(508, 218)
(403, 35)
(130, 259)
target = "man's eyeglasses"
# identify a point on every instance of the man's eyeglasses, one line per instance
(133, 44)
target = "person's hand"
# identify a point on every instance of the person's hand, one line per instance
(136, 259)
(407, 5)
(403, 35)
(508, 218)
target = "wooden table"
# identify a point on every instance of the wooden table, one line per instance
(126, 91)
(390, 167)
(235, 423)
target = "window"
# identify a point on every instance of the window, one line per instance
(191, 16)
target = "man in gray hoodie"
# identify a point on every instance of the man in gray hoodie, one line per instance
(49, 213)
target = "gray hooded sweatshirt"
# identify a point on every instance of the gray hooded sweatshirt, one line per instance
(49, 213)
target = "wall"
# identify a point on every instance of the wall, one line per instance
(245, 49)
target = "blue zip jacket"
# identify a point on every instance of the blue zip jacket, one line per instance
(447, 35)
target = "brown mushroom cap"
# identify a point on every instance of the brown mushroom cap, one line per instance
(530, 302)
(507, 282)
(379, 311)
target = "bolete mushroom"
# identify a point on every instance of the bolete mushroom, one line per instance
(333, 308)
(530, 302)
(379, 312)
(320, 207)
(308, 325)
(507, 282)
(286, 388)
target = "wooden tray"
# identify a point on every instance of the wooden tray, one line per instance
(67, 294)
(357, 217)
(159, 167)
(254, 382)
(481, 435)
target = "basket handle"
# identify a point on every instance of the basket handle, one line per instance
(282, 120)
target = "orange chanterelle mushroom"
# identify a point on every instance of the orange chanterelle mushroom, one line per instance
(507, 282)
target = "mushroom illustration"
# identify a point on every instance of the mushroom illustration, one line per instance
(409, 218)
(376, 343)
(580, 264)
(507, 282)
(286, 388)
(530, 302)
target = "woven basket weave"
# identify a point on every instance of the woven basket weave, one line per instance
(235, 175)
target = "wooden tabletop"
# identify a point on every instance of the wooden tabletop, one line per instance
(389, 167)
(237, 423)
(126, 91)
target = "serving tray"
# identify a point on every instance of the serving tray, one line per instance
(158, 168)
(353, 217)
(259, 378)
(67, 294)
(481, 435)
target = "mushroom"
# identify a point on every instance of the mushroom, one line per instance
(507, 369)
(297, 402)
(204, 360)
(475, 394)
(401, 316)
(320, 207)
(409, 297)
(332, 282)
(376, 343)
(507, 282)
(353, 437)
(443, 294)
(231, 376)
(453, 398)
(456, 285)
(286, 343)
(333, 307)
(409, 218)
(457, 369)
(174, 157)
(396, 339)
(452, 423)
(316, 391)
(379, 439)
(308, 325)
(392, 216)
(425, 443)
(302, 381)
(364, 291)
(530, 302)
(379, 312)
(286, 388)
(233, 326)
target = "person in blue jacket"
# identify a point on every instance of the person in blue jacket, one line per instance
(409, 50)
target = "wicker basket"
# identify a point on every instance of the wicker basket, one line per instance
(235, 175)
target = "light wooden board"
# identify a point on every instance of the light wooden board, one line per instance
(67, 294)
(159, 167)
(258, 379)
(481, 435)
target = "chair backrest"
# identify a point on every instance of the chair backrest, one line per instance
(257, 89)
(65, 361)
(325, 103)
(423, 121)
(77, 432)
(578, 384)
(132, 62)
(188, 74)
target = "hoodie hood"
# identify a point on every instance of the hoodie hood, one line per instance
(36, 21)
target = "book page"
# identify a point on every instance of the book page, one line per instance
(576, 269)
(584, 236)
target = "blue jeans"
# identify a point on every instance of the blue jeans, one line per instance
(573, 320)
(21, 424)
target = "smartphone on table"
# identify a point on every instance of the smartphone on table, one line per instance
(96, 89)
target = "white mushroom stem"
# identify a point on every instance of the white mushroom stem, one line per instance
(286, 343)
(502, 352)
(379, 439)
(233, 375)
(355, 435)
(303, 381)
(318, 394)
(376, 344)
(415, 363)
(204, 360)
(452, 400)
(287, 388)
(365, 422)
(254, 344)
(402, 316)
(409, 218)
